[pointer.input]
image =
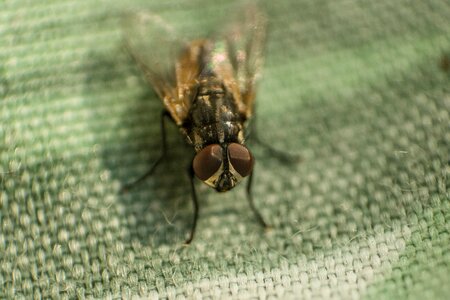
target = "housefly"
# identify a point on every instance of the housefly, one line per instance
(207, 87)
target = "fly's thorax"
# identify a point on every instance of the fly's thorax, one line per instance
(228, 132)
(213, 116)
(223, 166)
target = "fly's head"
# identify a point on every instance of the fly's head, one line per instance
(223, 166)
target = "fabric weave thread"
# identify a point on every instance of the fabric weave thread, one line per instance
(357, 88)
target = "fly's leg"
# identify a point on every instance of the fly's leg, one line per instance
(130, 185)
(281, 155)
(252, 204)
(194, 203)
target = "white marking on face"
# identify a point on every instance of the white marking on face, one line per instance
(211, 181)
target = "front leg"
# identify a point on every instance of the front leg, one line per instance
(252, 204)
(194, 203)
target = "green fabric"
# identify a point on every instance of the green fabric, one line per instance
(359, 89)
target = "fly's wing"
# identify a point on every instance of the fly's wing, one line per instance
(155, 47)
(188, 68)
(245, 39)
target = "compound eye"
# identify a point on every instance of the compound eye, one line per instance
(208, 161)
(241, 159)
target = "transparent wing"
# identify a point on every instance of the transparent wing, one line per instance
(245, 40)
(155, 47)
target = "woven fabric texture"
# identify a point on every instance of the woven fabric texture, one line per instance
(359, 89)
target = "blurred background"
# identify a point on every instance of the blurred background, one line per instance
(358, 89)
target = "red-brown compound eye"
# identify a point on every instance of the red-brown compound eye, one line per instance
(207, 161)
(241, 159)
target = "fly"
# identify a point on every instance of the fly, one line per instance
(207, 87)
